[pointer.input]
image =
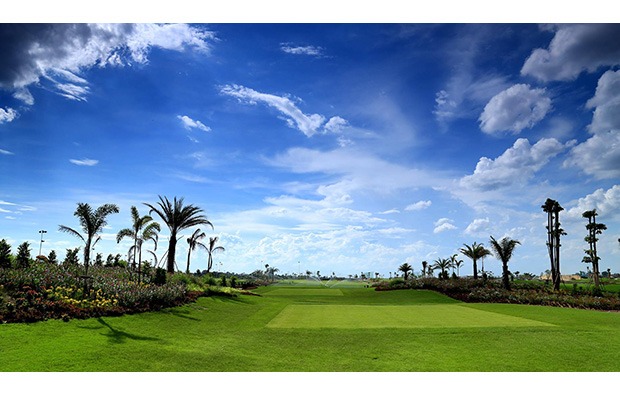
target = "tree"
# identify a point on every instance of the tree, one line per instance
(99, 259)
(591, 254)
(474, 252)
(443, 265)
(143, 228)
(5, 254)
(52, 258)
(71, 257)
(193, 242)
(456, 264)
(405, 268)
(177, 217)
(424, 265)
(92, 223)
(22, 259)
(553, 208)
(503, 251)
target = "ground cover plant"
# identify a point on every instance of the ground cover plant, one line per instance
(242, 334)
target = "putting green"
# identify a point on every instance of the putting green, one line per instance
(414, 316)
(305, 292)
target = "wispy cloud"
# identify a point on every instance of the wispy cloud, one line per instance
(308, 124)
(5, 152)
(190, 124)
(84, 162)
(421, 205)
(302, 50)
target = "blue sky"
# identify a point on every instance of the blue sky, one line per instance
(348, 147)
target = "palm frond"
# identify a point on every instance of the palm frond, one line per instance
(73, 232)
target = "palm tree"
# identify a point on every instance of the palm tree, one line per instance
(193, 242)
(92, 223)
(405, 268)
(443, 265)
(424, 265)
(139, 235)
(474, 252)
(503, 251)
(177, 217)
(211, 249)
(456, 264)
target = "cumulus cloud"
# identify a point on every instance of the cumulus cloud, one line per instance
(7, 115)
(606, 203)
(606, 102)
(302, 50)
(574, 49)
(421, 205)
(4, 152)
(477, 226)
(599, 155)
(59, 52)
(515, 166)
(444, 224)
(515, 109)
(84, 162)
(190, 124)
(308, 124)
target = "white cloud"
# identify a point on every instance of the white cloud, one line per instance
(515, 166)
(296, 119)
(421, 205)
(477, 226)
(190, 124)
(302, 50)
(58, 52)
(606, 102)
(336, 124)
(9, 217)
(598, 156)
(444, 224)
(7, 115)
(392, 211)
(84, 162)
(7, 203)
(574, 49)
(5, 152)
(606, 203)
(515, 109)
(5, 211)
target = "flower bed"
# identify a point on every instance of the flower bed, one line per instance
(480, 291)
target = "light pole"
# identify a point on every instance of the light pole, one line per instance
(41, 243)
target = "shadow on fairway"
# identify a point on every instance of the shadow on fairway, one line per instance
(228, 299)
(180, 315)
(117, 336)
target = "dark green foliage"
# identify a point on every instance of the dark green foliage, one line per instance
(5, 254)
(405, 268)
(233, 282)
(223, 280)
(71, 258)
(591, 254)
(209, 280)
(503, 250)
(52, 258)
(160, 276)
(99, 259)
(22, 259)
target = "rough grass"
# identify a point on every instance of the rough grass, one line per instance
(305, 291)
(232, 334)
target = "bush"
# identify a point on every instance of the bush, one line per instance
(160, 276)
(223, 280)
(209, 280)
(233, 282)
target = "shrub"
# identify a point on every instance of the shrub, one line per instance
(160, 276)
(233, 282)
(209, 280)
(223, 280)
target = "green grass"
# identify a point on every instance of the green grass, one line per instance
(424, 331)
(305, 291)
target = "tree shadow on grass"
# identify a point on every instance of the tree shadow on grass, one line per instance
(180, 314)
(118, 336)
(228, 299)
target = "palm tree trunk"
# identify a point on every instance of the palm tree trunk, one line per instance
(189, 252)
(209, 262)
(475, 270)
(140, 262)
(87, 254)
(172, 246)
(505, 276)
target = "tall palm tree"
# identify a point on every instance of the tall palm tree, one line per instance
(193, 242)
(211, 249)
(177, 217)
(474, 252)
(139, 235)
(456, 264)
(424, 265)
(443, 265)
(405, 268)
(503, 251)
(92, 223)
